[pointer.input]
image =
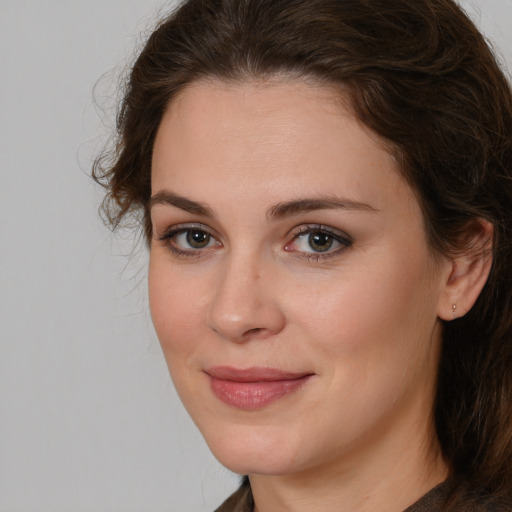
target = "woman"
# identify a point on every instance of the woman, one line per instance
(325, 189)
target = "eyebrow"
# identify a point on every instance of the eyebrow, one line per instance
(168, 198)
(299, 206)
(275, 212)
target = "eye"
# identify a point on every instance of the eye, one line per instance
(189, 240)
(193, 239)
(318, 240)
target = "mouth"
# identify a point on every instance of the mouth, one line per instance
(253, 388)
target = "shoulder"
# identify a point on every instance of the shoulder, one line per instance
(458, 497)
(240, 501)
(446, 497)
(478, 501)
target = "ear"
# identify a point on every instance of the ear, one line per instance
(467, 272)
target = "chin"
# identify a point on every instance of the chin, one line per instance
(255, 450)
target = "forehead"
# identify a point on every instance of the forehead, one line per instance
(278, 136)
(249, 114)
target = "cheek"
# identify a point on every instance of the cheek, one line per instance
(375, 318)
(175, 304)
(372, 343)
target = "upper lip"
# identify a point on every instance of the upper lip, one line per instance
(253, 374)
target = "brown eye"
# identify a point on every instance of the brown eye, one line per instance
(320, 241)
(191, 240)
(197, 239)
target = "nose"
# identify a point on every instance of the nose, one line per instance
(245, 306)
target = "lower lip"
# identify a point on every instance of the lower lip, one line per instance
(254, 395)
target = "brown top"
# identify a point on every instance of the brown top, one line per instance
(436, 500)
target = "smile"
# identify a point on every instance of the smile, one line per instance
(253, 388)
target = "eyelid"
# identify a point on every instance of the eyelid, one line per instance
(343, 239)
(339, 236)
(308, 228)
(176, 229)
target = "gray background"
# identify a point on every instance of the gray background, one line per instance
(89, 420)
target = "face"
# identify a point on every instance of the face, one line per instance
(291, 286)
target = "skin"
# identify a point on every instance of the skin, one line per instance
(363, 317)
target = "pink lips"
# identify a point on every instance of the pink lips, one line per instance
(253, 388)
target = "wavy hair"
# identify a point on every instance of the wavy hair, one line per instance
(422, 77)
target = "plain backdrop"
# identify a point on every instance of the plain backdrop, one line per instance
(89, 420)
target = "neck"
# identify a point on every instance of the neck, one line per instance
(386, 476)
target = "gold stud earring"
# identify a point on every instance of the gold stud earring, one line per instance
(454, 309)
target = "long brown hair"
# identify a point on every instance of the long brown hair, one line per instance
(422, 77)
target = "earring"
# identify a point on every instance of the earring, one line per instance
(454, 308)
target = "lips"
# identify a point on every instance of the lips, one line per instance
(253, 388)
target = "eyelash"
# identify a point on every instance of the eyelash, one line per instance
(168, 237)
(343, 239)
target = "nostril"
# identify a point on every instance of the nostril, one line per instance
(242, 317)
(253, 331)
(256, 333)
